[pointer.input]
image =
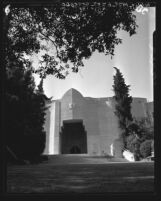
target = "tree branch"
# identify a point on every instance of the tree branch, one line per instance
(52, 42)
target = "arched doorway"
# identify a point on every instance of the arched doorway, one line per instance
(73, 138)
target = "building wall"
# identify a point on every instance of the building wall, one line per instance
(91, 123)
(150, 112)
(138, 107)
(108, 126)
(57, 119)
(98, 117)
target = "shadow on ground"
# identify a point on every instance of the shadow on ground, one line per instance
(81, 177)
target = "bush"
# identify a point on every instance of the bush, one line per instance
(133, 145)
(146, 148)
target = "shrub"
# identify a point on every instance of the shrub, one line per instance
(133, 145)
(146, 148)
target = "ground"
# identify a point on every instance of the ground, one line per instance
(87, 175)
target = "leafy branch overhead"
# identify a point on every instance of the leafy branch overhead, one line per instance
(67, 33)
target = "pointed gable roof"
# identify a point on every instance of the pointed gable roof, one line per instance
(73, 93)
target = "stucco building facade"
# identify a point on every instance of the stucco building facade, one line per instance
(77, 124)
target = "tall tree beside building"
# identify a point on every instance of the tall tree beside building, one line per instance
(24, 114)
(122, 101)
(24, 105)
(35, 134)
(38, 134)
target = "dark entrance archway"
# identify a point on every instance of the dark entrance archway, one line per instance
(73, 138)
(75, 150)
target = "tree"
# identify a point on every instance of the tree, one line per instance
(146, 148)
(141, 128)
(25, 114)
(17, 94)
(122, 101)
(37, 119)
(73, 30)
(138, 138)
(25, 106)
(133, 145)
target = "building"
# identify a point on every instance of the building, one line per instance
(85, 125)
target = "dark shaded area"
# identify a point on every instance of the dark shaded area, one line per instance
(24, 115)
(81, 178)
(73, 138)
(75, 150)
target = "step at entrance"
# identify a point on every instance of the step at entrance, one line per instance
(82, 159)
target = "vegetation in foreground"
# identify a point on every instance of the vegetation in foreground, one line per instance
(137, 135)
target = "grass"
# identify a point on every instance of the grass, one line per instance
(81, 178)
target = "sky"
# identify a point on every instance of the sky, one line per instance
(134, 58)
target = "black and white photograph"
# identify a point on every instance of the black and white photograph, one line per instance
(79, 97)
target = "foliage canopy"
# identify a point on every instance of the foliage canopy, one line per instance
(73, 31)
(24, 113)
(146, 148)
(140, 137)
